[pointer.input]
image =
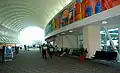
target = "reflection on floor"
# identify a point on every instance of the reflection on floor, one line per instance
(31, 62)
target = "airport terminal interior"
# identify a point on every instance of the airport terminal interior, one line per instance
(59, 36)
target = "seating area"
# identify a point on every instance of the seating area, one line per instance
(76, 52)
(99, 55)
(105, 55)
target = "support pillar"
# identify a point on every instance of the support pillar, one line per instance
(91, 39)
(119, 38)
(77, 41)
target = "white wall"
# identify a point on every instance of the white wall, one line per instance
(70, 41)
(58, 41)
(67, 41)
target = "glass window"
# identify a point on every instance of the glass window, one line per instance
(105, 41)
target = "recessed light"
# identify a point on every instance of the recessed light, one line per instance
(70, 31)
(63, 33)
(104, 22)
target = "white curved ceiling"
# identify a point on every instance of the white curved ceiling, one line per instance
(16, 15)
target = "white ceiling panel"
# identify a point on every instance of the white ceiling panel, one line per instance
(16, 15)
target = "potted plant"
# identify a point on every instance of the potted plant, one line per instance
(83, 53)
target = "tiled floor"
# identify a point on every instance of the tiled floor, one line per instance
(31, 62)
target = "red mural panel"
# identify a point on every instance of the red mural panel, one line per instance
(107, 4)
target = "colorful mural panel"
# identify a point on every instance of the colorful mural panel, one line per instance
(79, 9)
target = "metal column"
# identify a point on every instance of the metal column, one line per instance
(119, 38)
(105, 40)
(62, 41)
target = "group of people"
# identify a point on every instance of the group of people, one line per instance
(47, 50)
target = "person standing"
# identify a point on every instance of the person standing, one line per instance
(3, 54)
(25, 47)
(50, 50)
(40, 46)
(59, 51)
(28, 48)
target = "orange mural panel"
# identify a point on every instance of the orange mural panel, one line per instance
(78, 17)
(78, 13)
(83, 9)
(78, 8)
(65, 13)
(57, 23)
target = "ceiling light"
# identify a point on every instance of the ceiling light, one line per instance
(104, 22)
(70, 31)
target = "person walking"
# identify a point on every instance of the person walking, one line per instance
(44, 48)
(40, 46)
(55, 50)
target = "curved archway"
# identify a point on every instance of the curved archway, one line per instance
(31, 34)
